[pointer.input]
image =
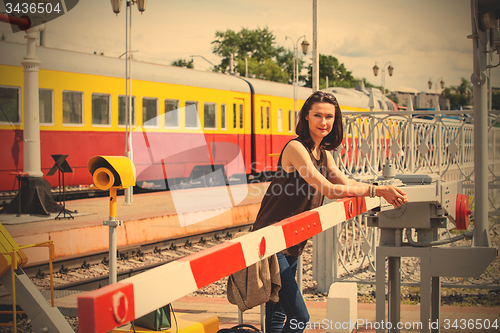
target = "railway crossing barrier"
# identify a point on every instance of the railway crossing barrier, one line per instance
(114, 305)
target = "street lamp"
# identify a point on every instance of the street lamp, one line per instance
(305, 46)
(116, 5)
(390, 70)
(440, 82)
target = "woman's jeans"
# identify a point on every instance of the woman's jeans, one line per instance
(291, 305)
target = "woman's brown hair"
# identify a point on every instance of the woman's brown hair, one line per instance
(336, 135)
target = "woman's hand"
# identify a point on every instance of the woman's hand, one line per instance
(392, 194)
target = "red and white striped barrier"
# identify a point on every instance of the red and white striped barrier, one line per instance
(111, 306)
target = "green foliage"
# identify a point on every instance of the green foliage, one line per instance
(338, 75)
(265, 59)
(393, 98)
(271, 62)
(495, 101)
(460, 95)
(183, 63)
(267, 70)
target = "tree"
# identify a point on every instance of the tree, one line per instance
(460, 95)
(265, 59)
(495, 101)
(338, 75)
(183, 63)
(395, 99)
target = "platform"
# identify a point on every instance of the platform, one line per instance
(152, 217)
(228, 313)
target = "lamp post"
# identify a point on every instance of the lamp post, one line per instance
(305, 46)
(116, 5)
(390, 70)
(200, 56)
(438, 80)
(441, 82)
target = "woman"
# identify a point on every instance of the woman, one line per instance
(306, 173)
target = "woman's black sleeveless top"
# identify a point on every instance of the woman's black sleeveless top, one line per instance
(289, 194)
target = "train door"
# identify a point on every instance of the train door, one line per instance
(238, 126)
(265, 127)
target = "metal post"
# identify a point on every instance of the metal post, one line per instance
(263, 318)
(374, 243)
(439, 141)
(112, 224)
(411, 144)
(300, 265)
(315, 73)
(394, 280)
(383, 80)
(380, 289)
(323, 255)
(435, 301)
(295, 74)
(373, 143)
(240, 317)
(335, 256)
(32, 160)
(478, 78)
(112, 252)
(128, 90)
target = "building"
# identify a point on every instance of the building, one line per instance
(404, 96)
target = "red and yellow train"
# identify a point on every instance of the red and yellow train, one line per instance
(186, 123)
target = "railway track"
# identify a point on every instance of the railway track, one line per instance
(90, 191)
(90, 272)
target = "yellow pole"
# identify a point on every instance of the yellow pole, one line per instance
(13, 268)
(112, 202)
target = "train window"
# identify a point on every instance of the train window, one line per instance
(9, 100)
(223, 116)
(210, 116)
(172, 113)
(72, 108)
(150, 111)
(234, 115)
(46, 106)
(192, 117)
(261, 117)
(280, 120)
(296, 117)
(241, 116)
(290, 120)
(380, 105)
(267, 116)
(122, 111)
(100, 109)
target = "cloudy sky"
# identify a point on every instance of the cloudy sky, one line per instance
(424, 39)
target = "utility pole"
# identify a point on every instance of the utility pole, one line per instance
(483, 11)
(315, 73)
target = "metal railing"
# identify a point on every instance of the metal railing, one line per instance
(440, 143)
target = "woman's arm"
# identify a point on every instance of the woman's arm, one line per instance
(390, 193)
(296, 157)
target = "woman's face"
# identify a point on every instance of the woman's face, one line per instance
(320, 118)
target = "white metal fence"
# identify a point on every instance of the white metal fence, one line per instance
(441, 143)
